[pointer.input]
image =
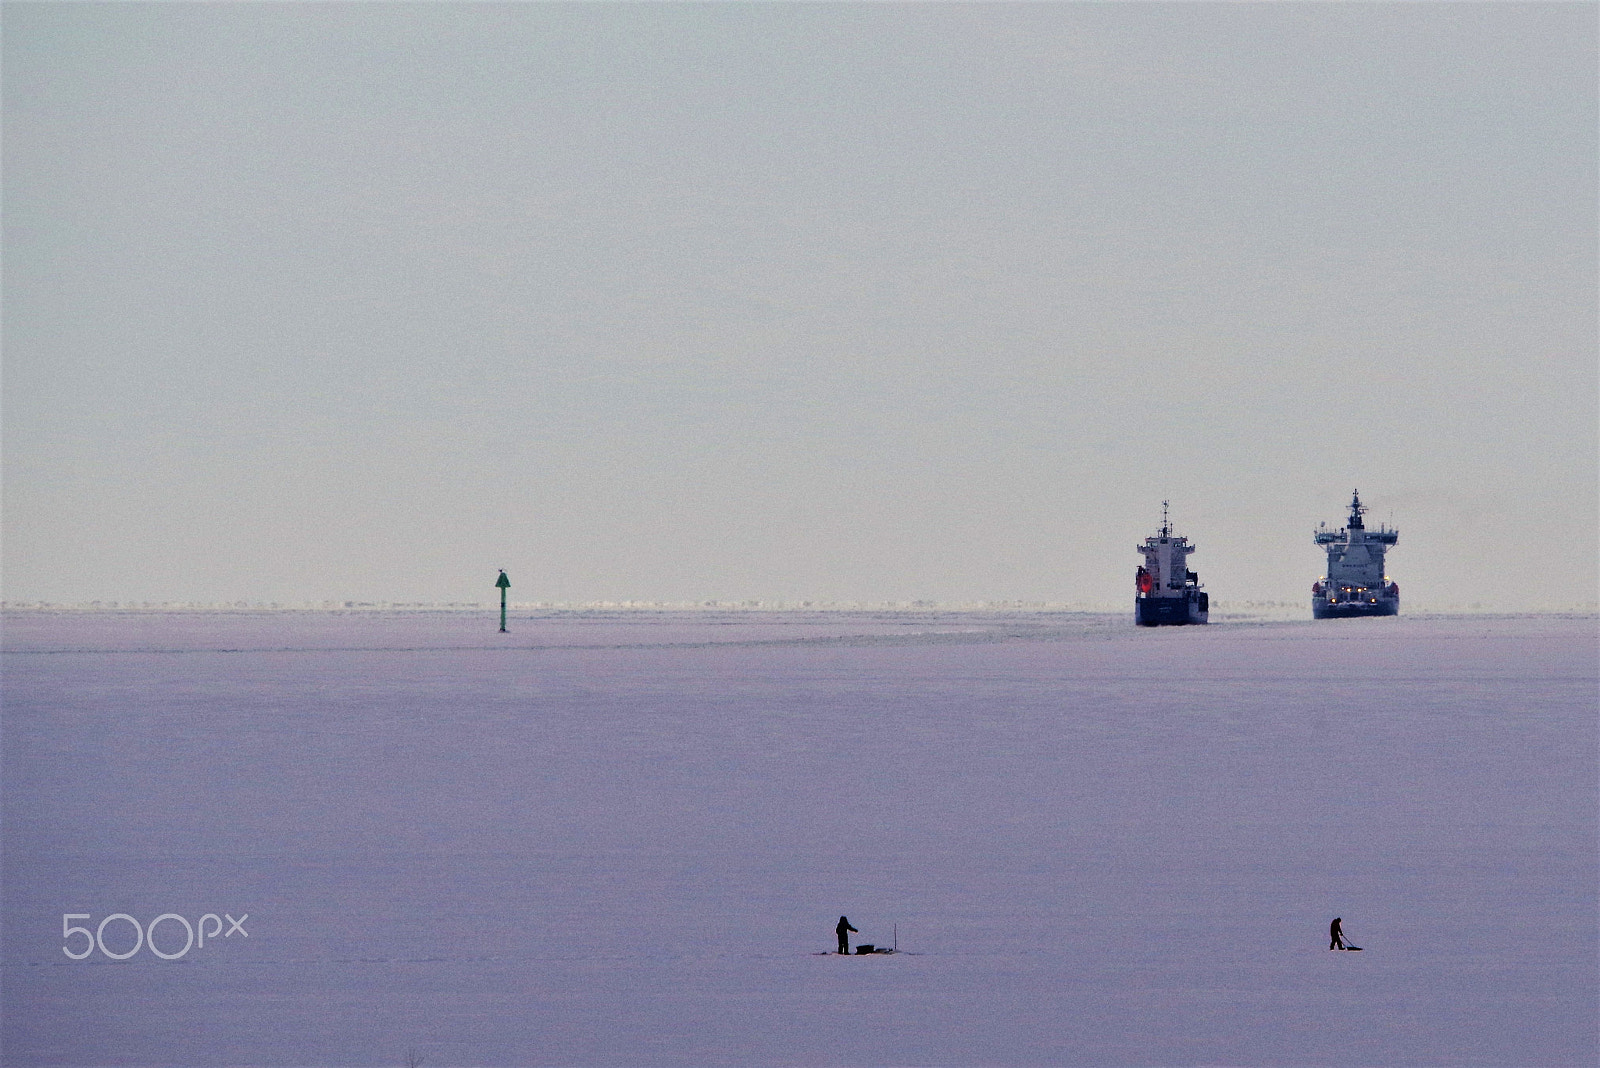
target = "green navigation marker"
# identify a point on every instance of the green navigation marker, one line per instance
(503, 584)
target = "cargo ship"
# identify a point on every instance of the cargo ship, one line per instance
(1355, 584)
(1168, 593)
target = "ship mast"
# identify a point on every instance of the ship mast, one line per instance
(1166, 528)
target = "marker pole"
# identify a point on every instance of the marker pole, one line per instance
(503, 584)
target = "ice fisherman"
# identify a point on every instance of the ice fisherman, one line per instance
(1335, 935)
(843, 930)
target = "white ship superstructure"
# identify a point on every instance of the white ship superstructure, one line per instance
(1167, 591)
(1355, 583)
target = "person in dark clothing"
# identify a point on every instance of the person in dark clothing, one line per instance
(843, 931)
(1335, 935)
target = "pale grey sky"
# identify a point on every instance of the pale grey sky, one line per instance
(818, 301)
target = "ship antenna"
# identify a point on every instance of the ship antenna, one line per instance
(1166, 531)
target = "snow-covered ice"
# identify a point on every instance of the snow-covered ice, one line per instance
(621, 838)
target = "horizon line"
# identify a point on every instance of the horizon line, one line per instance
(744, 605)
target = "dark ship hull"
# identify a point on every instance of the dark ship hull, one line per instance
(1193, 607)
(1326, 608)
